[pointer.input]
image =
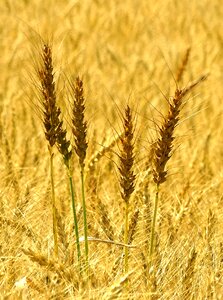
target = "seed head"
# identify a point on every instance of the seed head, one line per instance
(163, 146)
(54, 132)
(79, 127)
(127, 176)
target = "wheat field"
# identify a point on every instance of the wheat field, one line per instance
(133, 127)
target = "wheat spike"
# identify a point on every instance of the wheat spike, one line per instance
(51, 265)
(127, 176)
(54, 132)
(79, 127)
(51, 112)
(183, 65)
(189, 274)
(162, 148)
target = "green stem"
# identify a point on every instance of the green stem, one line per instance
(53, 203)
(85, 217)
(126, 234)
(152, 238)
(75, 217)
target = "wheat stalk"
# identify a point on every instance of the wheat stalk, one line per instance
(51, 120)
(79, 129)
(55, 135)
(63, 146)
(162, 149)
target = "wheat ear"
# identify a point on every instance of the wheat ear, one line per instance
(182, 67)
(127, 176)
(189, 274)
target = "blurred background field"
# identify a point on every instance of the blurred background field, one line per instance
(127, 52)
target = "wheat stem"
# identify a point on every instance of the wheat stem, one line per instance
(53, 203)
(126, 234)
(85, 217)
(75, 217)
(152, 237)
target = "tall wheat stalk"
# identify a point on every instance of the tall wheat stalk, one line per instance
(51, 121)
(79, 129)
(63, 146)
(162, 149)
(55, 135)
(162, 153)
(127, 176)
